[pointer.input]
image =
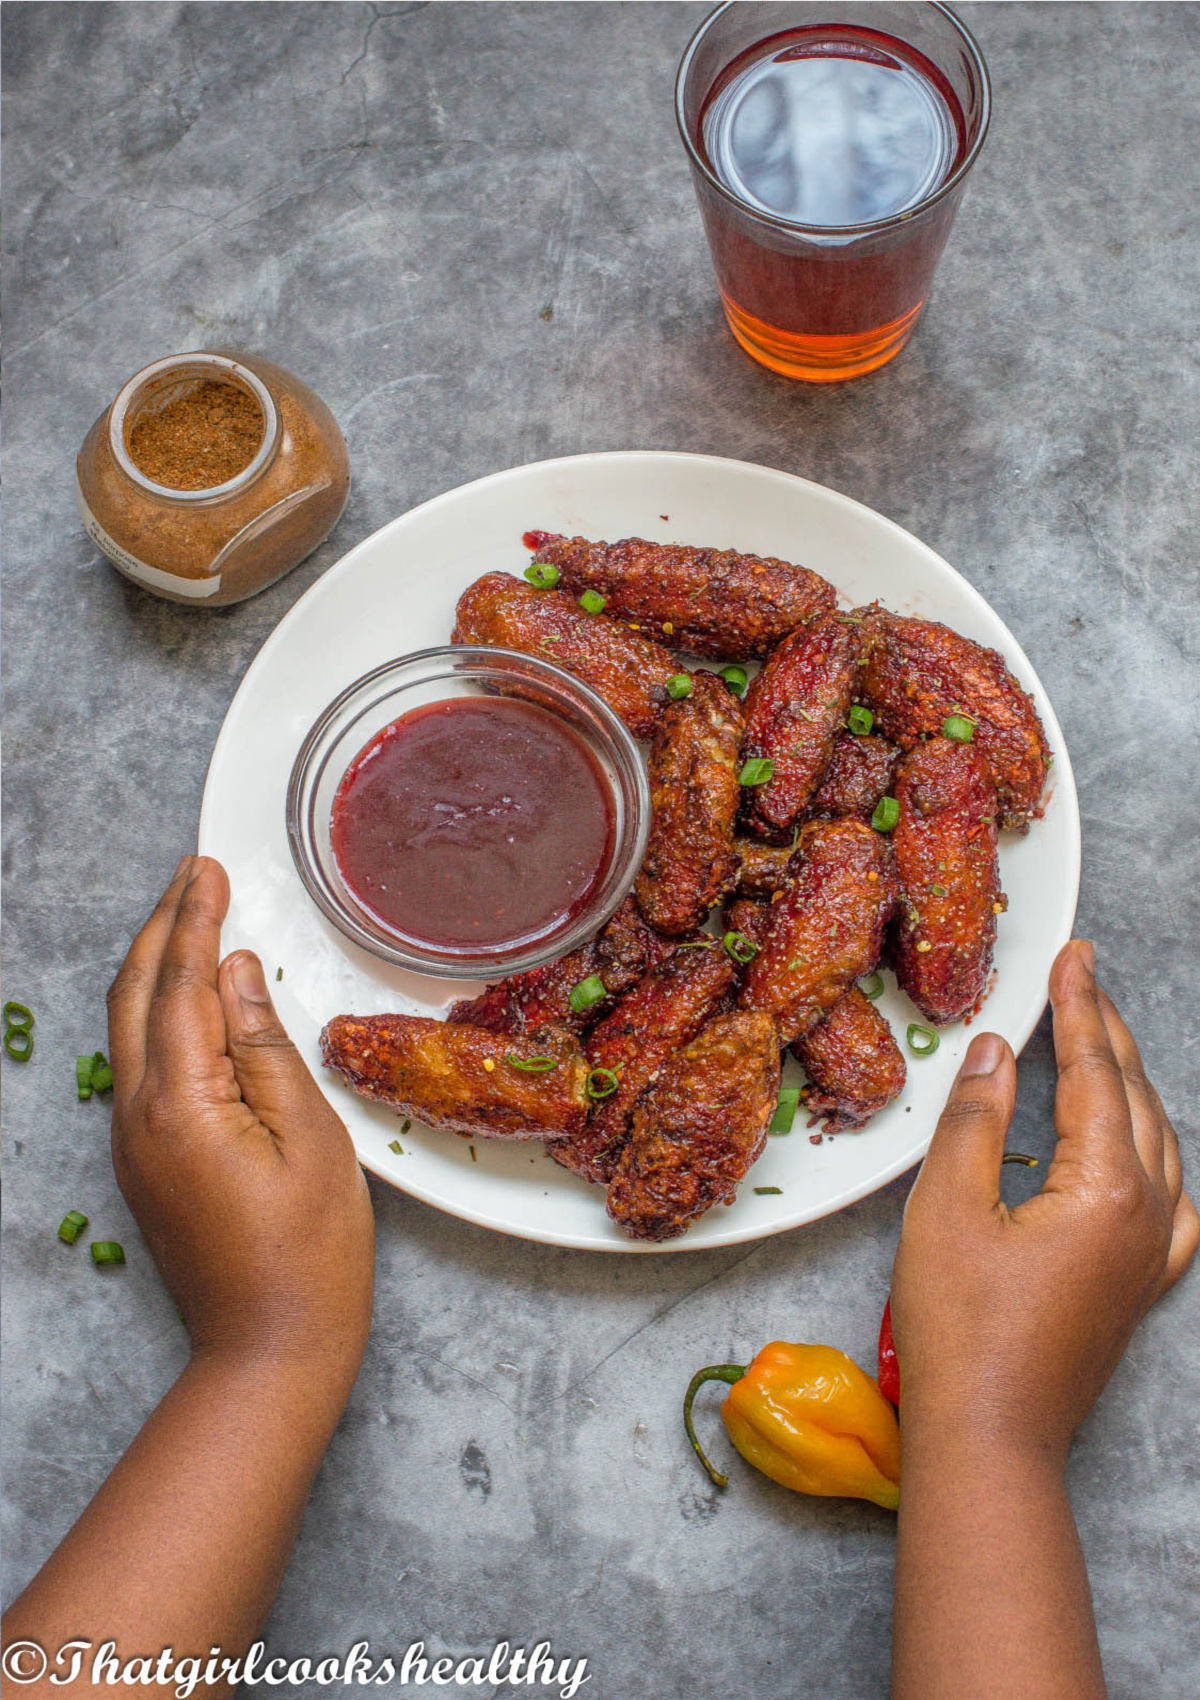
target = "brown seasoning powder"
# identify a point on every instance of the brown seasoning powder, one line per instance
(203, 438)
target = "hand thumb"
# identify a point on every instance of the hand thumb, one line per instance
(962, 1164)
(274, 1079)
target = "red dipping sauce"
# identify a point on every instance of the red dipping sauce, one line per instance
(473, 824)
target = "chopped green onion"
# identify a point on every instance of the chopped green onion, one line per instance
(756, 771)
(107, 1251)
(543, 575)
(860, 720)
(697, 944)
(405, 1125)
(18, 1040)
(740, 947)
(938, 891)
(592, 602)
(586, 993)
(1019, 1157)
(102, 1076)
(83, 1076)
(679, 686)
(735, 677)
(959, 727)
(922, 1041)
(887, 813)
(395, 1145)
(872, 986)
(601, 1083)
(785, 1110)
(71, 1226)
(762, 1191)
(279, 973)
(471, 1149)
(530, 1065)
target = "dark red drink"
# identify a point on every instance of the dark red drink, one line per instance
(828, 158)
(474, 823)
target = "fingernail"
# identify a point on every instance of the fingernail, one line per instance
(183, 862)
(984, 1055)
(198, 867)
(248, 982)
(1087, 955)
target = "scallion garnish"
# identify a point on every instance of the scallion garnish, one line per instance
(18, 1040)
(960, 727)
(71, 1226)
(395, 1145)
(107, 1251)
(601, 1083)
(736, 678)
(586, 993)
(679, 686)
(887, 813)
(860, 720)
(763, 1191)
(592, 602)
(872, 986)
(530, 1065)
(543, 575)
(740, 947)
(756, 771)
(922, 1041)
(785, 1110)
(102, 1075)
(83, 1076)
(1019, 1157)
(938, 891)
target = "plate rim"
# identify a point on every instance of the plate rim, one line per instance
(1063, 773)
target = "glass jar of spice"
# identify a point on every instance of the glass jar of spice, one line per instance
(212, 475)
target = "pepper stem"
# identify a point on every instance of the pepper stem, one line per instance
(712, 1372)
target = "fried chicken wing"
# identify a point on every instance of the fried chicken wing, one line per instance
(706, 601)
(628, 671)
(621, 952)
(827, 929)
(919, 673)
(853, 1064)
(751, 919)
(860, 772)
(793, 711)
(663, 1011)
(690, 862)
(762, 868)
(949, 872)
(852, 1060)
(698, 1128)
(465, 1079)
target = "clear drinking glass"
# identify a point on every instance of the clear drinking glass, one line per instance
(774, 85)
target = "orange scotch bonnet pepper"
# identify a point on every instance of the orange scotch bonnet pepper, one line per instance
(809, 1418)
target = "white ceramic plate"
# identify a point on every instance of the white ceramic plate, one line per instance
(396, 592)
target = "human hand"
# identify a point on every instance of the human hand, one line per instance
(241, 1177)
(1009, 1322)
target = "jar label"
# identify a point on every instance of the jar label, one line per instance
(141, 571)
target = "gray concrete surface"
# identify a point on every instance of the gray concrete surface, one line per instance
(471, 228)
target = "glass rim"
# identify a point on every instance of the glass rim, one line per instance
(872, 226)
(365, 930)
(200, 360)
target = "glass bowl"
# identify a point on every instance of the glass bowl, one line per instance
(364, 708)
